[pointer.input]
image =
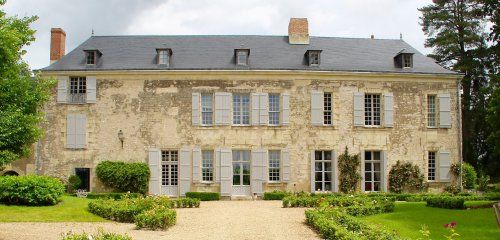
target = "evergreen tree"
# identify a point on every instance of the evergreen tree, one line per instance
(22, 95)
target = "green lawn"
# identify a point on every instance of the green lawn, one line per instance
(71, 209)
(408, 218)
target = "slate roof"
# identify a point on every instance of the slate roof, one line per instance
(266, 53)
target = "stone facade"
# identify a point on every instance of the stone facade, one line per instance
(153, 110)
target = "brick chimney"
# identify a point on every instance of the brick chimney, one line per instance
(298, 31)
(57, 44)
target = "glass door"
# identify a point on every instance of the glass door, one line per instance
(241, 172)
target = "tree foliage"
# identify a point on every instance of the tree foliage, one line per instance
(22, 95)
(458, 33)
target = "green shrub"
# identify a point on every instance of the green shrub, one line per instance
(185, 203)
(452, 189)
(156, 218)
(74, 183)
(30, 190)
(469, 175)
(482, 183)
(101, 235)
(405, 177)
(446, 202)
(336, 225)
(275, 195)
(124, 177)
(349, 174)
(112, 195)
(204, 196)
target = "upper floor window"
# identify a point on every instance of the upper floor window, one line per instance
(372, 110)
(313, 57)
(90, 58)
(206, 109)
(404, 59)
(241, 109)
(164, 56)
(274, 109)
(431, 110)
(242, 56)
(327, 108)
(407, 60)
(77, 90)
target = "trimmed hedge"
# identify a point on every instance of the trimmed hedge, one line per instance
(446, 202)
(204, 196)
(336, 225)
(275, 195)
(101, 235)
(30, 190)
(124, 177)
(112, 195)
(156, 218)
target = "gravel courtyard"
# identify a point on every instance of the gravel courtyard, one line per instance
(213, 220)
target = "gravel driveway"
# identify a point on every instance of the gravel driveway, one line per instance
(213, 220)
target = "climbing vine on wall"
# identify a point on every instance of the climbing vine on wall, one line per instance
(405, 177)
(349, 172)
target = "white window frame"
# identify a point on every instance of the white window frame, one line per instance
(431, 166)
(242, 56)
(372, 162)
(169, 167)
(90, 56)
(163, 57)
(432, 111)
(407, 61)
(207, 166)
(239, 109)
(327, 108)
(324, 162)
(77, 89)
(207, 110)
(274, 111)
(274, 165)
(373, 110)
(239, 159)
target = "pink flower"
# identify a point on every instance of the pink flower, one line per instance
(453, 224)
(446, 225)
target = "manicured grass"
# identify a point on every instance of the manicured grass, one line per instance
(476, 204)
(71, 209)
(408, 218)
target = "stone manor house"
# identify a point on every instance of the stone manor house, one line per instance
(242, 115)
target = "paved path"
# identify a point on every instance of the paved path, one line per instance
(213, 220)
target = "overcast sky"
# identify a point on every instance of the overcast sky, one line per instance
(338, 18)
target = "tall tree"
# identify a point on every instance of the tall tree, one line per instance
(456, 31)
(22, 94)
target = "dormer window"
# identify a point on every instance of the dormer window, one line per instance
(242, 56)
(164, 55)
(91, 56)
(313, 57)
(404, 59)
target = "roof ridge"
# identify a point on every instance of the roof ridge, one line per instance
(242, 35)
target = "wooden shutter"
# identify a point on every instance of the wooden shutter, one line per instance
(195, 109)
(217, 156)
(263, 111)
(71, 131)
(255, 109)
(444, 166)
(91, 89)
(80, 130)
(184, 171)
(317, 108)
(258, 172)
(388, 110)
(335, 176)
(359, 109)
(197, 163)
(226, 172)
(444, 110)
(222, 108)
(62, 89)
(285, 165)
(362, 171)
(285, 119)
(154, 162)
(312, 160)
(383, 171)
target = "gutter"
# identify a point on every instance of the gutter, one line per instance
(460, 143)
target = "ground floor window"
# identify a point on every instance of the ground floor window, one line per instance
(207, 168)
(323, 170)
(372, 171)
(431, 167)
(169, 168)
(241, 167)
(274, 165)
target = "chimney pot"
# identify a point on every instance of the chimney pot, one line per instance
(298, 31)
(57, 44)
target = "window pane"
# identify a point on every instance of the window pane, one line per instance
(318, 166)
(318, 186)
(328, 155)
(319, 176)
(328, 166)
(368, 166)
(318, 155)
(368, 155)
(328, 186)
(328, 176)
(376, 155)
(274, 109)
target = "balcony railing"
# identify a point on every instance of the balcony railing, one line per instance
(77, 98)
